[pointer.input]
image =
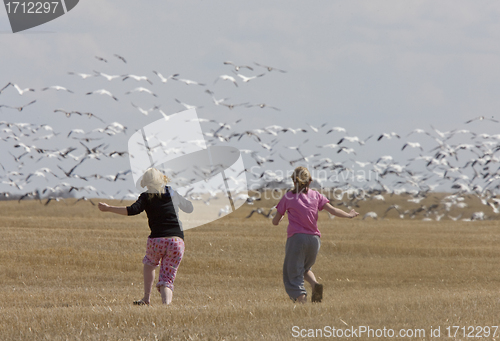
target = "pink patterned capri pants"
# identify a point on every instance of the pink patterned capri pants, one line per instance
(169, 252)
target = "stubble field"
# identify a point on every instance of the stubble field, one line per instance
(71, 272)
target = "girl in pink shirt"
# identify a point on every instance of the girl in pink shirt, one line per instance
(303, 237)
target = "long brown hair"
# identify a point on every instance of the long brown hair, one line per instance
(301, 180)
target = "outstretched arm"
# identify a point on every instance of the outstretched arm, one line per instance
(184, 204)
(113, 209)
(278, 217)
(339, 213)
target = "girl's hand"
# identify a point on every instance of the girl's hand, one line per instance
(103, 206)
(353, 214)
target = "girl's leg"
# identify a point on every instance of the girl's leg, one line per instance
(317, 289)
(313, 249)
(150, 261)
(169, 266)
(293, 268)
(309, 277)
(149, 277)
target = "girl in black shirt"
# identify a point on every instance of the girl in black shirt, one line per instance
(166, 242)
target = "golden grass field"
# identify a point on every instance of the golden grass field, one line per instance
(71, 272)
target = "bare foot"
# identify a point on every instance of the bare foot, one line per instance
(166, 295)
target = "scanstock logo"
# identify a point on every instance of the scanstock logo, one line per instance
(215, 176)
(27, 14)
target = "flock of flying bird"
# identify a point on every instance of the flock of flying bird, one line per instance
(463, 169)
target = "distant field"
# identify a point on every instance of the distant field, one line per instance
(71, 272)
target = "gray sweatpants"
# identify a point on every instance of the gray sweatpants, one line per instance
(300, 254)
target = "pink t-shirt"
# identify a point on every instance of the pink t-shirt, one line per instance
(302, 211)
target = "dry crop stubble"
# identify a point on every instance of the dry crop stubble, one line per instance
(71, 272)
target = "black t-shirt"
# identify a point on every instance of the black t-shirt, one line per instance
(161, 212)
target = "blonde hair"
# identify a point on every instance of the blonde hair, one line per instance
(155, 181)
(301, 179)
